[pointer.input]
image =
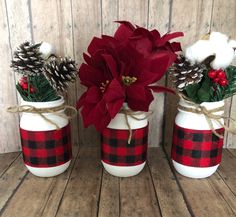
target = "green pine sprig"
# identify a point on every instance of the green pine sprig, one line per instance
(42, 90)
(208, 91)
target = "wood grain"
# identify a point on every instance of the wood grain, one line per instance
(82, 193)
(19, 26)
(109, 204)
(227, 170)
(158, 18)
(109, 15)
(222, 187)
(10, 181)
(169, 194)
(44, 194)
(9, 127)
(134, 11)
(6, 160)
(85, 27)
(64, 14)
(137, 196)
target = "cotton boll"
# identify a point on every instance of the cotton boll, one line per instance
(46, 49)
(199, 51)
(224, 57)
(218, 39)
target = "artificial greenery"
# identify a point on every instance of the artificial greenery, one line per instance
(208, 91)
(42, 91)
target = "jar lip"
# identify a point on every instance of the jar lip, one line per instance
(48, 104)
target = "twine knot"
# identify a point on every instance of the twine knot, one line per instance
(133, 114)
(210, 116)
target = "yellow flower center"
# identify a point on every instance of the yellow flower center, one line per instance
(127, 80)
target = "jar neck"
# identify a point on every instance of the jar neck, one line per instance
(187, 105)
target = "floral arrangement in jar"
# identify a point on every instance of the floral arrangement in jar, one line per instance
(120, 73)
(44, 125)
(203, 77)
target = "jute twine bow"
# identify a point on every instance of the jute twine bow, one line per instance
(210, 116)
(42, 111)
(133, 114)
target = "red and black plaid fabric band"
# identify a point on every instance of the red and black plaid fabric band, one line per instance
(196, 148)
(46, 148)
(116, 150)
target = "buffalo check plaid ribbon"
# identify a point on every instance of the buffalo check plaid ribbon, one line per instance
(116, 150)
(196, 148)
(46, 148)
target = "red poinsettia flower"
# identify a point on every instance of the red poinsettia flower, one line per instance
(104, 96)
(122, 69)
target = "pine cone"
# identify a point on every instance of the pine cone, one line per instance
(59, 72)
(184, 73)
(27, 59)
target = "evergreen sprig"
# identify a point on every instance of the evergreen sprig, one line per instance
(208, 91)
(43, 91)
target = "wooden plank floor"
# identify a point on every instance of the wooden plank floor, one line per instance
(85, 189)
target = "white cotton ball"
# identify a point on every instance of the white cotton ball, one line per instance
(218, 39)
(46, 49)
(232, 43)
(224, 57)
(199, 51)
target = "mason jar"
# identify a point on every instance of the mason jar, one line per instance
(45, 138)
(119, 156)
(196, 150)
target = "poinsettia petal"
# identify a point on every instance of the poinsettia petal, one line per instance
(165, 38)
(90, 76)
(112, 65)
(176, 46)
(102, 118)
(95, 44)
(114, 97)
(156, 35)
(124, 31)
(159, 89)
(95, 114)
(140, 101)
(158, 63)
(93, 95)
(87, 58)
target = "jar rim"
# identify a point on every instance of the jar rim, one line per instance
(46, 104)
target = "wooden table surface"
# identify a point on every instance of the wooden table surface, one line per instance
(85, 189)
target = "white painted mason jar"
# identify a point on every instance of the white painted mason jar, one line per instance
(46, 147)
(119, 158)
(196, 151)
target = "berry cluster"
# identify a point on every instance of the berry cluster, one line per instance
(23, 82)
(218, 77)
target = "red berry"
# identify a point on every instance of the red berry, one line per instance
(32, 90)
(223, 82)
(216, 80)
(212, 74)
(221, 74)
(24, 86)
